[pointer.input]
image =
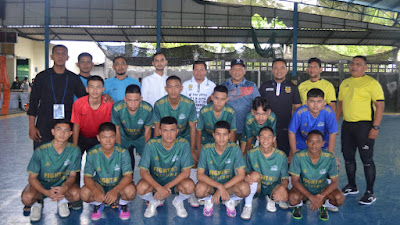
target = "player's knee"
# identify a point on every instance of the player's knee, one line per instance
(85, 194)
(294, 198)
(339, 198)
(255, 176)
(74, 194)
(201, 190)
(242, 189)
(142, 187)
(187, 186)
(129, 192)
(27, 198)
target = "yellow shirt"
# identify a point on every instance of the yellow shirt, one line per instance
(324, 85)
(358, 95)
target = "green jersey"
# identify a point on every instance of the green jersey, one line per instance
(221, 168)
(272, 169)
(313, 176)
(251, 128)
(184, 113)
(207, 120)
(165, 165)
(108, 171)
(53, 169)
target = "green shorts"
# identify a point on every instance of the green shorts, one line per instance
(138, 144)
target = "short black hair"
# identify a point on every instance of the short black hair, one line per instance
(315, 92)
(279, 60)
(266, 128)
(361, 57)
(221, 88)
(260, 101)
(158, 53)
(315, 132)
(168, 120)
(223, 125)
(200, 62)
(58, 46)
(314, 59)
(133, 88)
(85, 54)
(95, 77)
(62, 121)
(107, 126)
(173, 77)
(120, 57)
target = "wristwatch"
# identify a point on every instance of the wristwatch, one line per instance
(375, 127)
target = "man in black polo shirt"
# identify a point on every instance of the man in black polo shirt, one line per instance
(284, 98)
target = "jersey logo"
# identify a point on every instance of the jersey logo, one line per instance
(67, 162)
(98, 168)
(288, 89)
(366, 147)
(321, 124)
(140, 121)
(228, 161)
(269, 89)
(47, 164)
(123, 121)
(190, 86)
(274, 168)
(156, 158)
(211, 162)
(322, 171)
(305, 124)
(175, 158)
(305, 170)
(182, 116)
(116, 168)
(256, 166)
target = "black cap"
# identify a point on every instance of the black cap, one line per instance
(237, 62)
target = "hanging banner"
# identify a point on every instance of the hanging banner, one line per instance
(6, 86)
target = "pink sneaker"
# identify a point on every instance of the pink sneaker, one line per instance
(124, 213)
(230, 208)
(97, 211)
(208, 208)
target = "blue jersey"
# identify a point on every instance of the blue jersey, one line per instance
(116, 88)
(303, 122)
(84, 82)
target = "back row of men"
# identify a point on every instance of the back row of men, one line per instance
(187, 103)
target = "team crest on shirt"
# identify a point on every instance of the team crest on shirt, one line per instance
(140, 121)
(123, 121)
(321, 124)
(322, 171)
(156, 158)
(98, 168)
(211, 162)
(274, 168)
(288, 89)
(175, 158)
(190, 86)
(116, 168)
(47, 164)
(67, 162)
(182, 116)
(228, 161)
(305, 170)
(256, 166)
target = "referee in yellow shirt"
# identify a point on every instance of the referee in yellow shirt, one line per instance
(362, 102)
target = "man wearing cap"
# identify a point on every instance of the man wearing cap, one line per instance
(241, 93)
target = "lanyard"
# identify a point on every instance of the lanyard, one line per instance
(278, 89)
(52, 88)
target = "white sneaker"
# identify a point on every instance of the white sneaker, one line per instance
(333, 209)
(36, 212)
(151, 209)
(283, 205)
(246, 213)
(180, 209)
(193, 201)
(270, 204)
(63, 209)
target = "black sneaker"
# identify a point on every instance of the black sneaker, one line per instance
(368, 198)
(297, 213)
(27, 210)
(323, 214)
(75, 205)
(349, 190)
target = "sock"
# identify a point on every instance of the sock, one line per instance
(234, 198)
(123, 202)
(64, 200)
(96, 203)
(193, 175)
(205, 198)
(148, 197)
(181, 197)
(328, 204)
(298, 205)
(36, 204)
(248, 201)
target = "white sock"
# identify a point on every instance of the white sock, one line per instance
(234, 198)
(206, 198)
(149, 197)
(64, 200)
(96, 203)
(328, 204)
(298, 205)
(181, 197)
(248, 201)
(193, 175)
(36, 204)
(123, 202)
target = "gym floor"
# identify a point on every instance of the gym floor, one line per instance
(16, 150)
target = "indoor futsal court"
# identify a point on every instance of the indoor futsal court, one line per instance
(16, 151)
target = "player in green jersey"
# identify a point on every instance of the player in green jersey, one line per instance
(267, 172)
(52, 171)
(260, 116)
(108, 174)
(309, 171)
(221, 172)
(133, 119)
(164, 167)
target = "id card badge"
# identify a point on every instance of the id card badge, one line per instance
(58, 111)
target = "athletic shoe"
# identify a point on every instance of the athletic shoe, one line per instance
(26, 210)
(36, 212)
(349, 190)
(296, 214)
(323, 214)
(151, 209)
(193, 201)
(75, 205)
(270, 204)
(283, 205)
(180, 209)
(201, 202)
(246, 213)
(97, 211)
(161, 203)
(124, 213)
(208, 208)
(230, 208)
(368, 198)
(333, 208)
(63, 209)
